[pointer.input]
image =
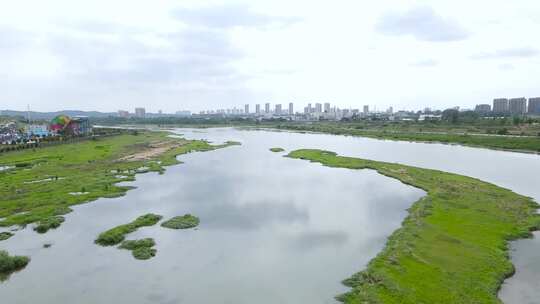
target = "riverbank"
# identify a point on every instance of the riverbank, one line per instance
(44, 183)
(524, 144)
(453, 246)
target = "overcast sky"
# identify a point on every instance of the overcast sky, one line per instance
(197, 55)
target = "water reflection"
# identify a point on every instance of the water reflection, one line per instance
(273, 230)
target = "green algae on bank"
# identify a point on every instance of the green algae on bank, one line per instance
(277, 149)
(453, 245)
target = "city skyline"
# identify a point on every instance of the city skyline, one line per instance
(517, 105)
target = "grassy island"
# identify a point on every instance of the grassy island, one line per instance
(277, 149)
(10, 264)
(140, 249)
(117, 234)
(453, 245)
(181, 222)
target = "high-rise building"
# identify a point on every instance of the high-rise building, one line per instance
(390, 110)
(482, 108)
(500, 105)
(366, 109)
(267, 108)
(534, 105)
(310, 109)
(326, 107)
(291, 108)
(246, 109)
(140, 112)
(278, 109)
(517, 106)
(257, 109)
(122, 113)
(318, 108)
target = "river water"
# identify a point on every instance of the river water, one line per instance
(273, 229)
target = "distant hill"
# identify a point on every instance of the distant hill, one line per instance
(51, 115)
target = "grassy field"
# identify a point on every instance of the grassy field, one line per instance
(452, 247)
(45, 182)
(442, 135)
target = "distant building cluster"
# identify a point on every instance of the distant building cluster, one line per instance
(312, 111)
(513, 106)
(326, 111)
(141, 113)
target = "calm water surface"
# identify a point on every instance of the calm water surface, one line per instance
(273, 230)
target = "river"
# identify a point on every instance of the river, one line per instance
(273, 229)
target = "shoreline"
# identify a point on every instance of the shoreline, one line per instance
(453, 247)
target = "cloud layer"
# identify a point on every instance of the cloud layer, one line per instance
(423, 23)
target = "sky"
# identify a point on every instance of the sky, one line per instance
(198, 55)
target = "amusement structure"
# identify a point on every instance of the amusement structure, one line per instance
(65, 125)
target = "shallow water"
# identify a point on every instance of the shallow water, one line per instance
(273, 230)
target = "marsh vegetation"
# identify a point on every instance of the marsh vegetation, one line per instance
(140, 249)
(116, 235)
(453, 246)
(10, 264)
(5, 235)
(181, 222)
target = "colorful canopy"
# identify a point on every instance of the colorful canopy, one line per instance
(60, 122)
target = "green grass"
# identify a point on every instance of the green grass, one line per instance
(117, 234)
(140, 249)
(5, 235)
(453, 245)
(48, 181)
(277, 149)
(181, 222)
(10, 264)
(520, 144)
